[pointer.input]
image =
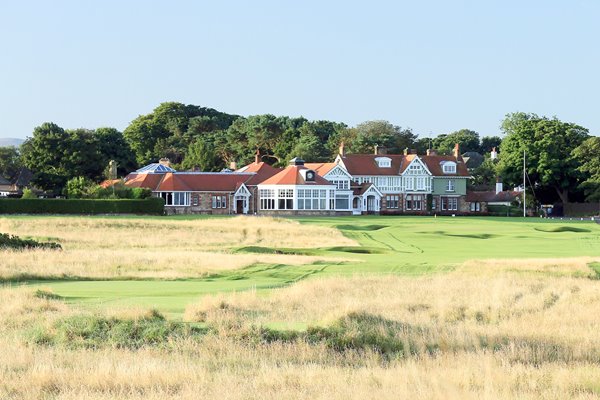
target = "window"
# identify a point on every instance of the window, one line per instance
(384, 162)
(420, 183)
(414, 202)
(219, 201)
(475, 207)
(285, 199)
(341, 185)
(449, 203)
(176, 198)
(450, 186)
(449, 167)
(267, 199)
(342, 203)
(195, 199)
(391, 201)
(312, 199)
(433, 204)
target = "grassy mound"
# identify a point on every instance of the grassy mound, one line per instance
(359, 249)
(361, 227)
(89, 331)
(558, 229)
(14, 242)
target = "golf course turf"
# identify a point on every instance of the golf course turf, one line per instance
(386, 245)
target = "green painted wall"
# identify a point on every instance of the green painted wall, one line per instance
(439, 186)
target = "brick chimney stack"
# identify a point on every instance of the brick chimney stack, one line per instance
(456, 151)
(233, 165)
(165, 162)
(431, 152)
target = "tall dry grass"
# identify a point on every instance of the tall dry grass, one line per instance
(520, 307)
(137, 248)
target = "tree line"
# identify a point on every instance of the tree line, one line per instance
(201, 138)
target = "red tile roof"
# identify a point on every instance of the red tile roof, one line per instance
(321, 168)
(150, 181)
(189, 182)
(365, 164)
(292, 176)
(434, 164)
(263, 171)
(109, 182)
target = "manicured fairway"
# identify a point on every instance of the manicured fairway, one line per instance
(389, 245)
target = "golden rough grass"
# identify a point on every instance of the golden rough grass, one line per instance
(138, 248)
(457, 307)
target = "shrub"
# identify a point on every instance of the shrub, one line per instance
(90, 331)
(151, 205)
(28, 194)
(14, 242)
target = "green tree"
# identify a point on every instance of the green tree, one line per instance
(588, 154)
(485, 174)
(78, 187)
(113, 146)
(488, 143)
(10, 162)
(201, 155)
(44, 152)
(548, 144)
(467, 140)
(381, 133)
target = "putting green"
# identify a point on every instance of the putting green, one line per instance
(388, 245)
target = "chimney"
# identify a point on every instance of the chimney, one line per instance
(257, 156)
(341, 150)
(112, 170)
(406, 151)
(456, 151)
(233, 165)
(296, 161)
(494, 154)
(499, 187)
(376, 149)
(165, 162)
(431, 152)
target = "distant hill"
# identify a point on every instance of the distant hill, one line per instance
(5, 142)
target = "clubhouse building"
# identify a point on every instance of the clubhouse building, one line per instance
(352, 184)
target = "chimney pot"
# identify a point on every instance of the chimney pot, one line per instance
(376, 149)
(342, 150)
(233, 165)
(406, 151)
(257, 156)
(456, 151)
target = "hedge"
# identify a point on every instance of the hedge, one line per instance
(503, 211)
(151, 205)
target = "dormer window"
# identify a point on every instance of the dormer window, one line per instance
(449, 167)
(308, 175)
(383, 162)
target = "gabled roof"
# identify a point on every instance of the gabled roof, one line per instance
(143, 180)
(365, 164)
(155, 168)
(292, 176)
(359, 190)
(189, 182)
(262, 172)
(321, 168)
(434, 163)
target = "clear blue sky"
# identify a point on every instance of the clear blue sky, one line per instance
(434, 66)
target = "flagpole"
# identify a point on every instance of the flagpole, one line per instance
(524, 191)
